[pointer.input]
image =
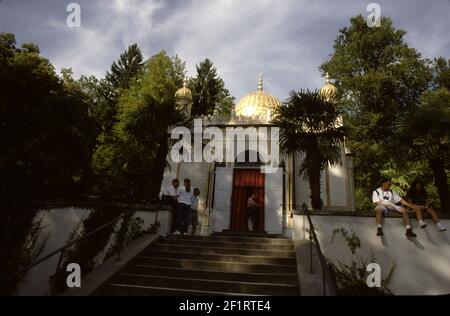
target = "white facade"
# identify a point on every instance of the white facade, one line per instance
(284, 191)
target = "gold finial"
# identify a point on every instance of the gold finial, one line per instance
(327, 78)
(260, 84)
(329, 92)
(185, 82)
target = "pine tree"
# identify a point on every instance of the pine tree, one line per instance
(209, 92)
(126, 68)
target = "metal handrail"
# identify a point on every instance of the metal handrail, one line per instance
(66, 246)
(327, 276)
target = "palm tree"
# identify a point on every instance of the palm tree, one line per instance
(309, 125)
(426, 132)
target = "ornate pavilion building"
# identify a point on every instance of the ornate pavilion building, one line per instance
(224, 186)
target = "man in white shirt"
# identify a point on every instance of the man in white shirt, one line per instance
(172, 190)
(386, 200)
(185, 195)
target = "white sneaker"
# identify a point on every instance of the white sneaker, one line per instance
(440, 227)
(177, 233)
(422, 224)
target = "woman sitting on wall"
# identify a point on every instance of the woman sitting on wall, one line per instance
(418, 195)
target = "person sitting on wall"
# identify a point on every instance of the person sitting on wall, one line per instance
(253, 210)
(386, 200)
(418, 195)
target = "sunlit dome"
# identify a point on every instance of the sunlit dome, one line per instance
(183, 95)
(329, 91)
(258, 104)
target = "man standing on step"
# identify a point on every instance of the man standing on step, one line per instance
(386, 200)
(185, 196)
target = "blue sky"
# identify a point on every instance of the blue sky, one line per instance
(287, 40)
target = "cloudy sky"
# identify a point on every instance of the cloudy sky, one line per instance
(287, 40)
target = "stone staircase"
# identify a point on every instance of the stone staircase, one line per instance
(222, 264)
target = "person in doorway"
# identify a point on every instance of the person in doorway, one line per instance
(386, 200)
(185, 195)
(253, 210)
(418, 195)
(193, 216)
(171, 195)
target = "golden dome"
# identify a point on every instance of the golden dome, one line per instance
(258, 104)
(329, 92)
(183, 95)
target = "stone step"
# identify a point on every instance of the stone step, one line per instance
(223, 251)
(134, 290)
(245, 233)
(226, 244)
(229, 264)
(149, 253)
(290, 279)
(206, 285)
(232, 238)
(224, 266)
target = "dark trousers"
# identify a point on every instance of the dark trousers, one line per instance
(174, 210)
(182, 218)
(252, 213)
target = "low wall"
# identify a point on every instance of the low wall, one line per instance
(58, 224)
(423, 264)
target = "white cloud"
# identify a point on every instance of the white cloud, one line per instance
(285, 39)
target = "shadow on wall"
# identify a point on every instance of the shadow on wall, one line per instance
(423, 264)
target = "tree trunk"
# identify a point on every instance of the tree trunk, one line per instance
(441, 183)
(314, 183)
(316, 201)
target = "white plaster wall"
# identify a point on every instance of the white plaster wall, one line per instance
(169, 174)
(338, 188)
(273, 208)
(338, 193)
(222, 199)
(423, 264)
(58, 224)
(301, 186)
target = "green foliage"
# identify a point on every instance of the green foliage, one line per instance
(351, 278)
(380, 79)
(25, 245)
(441, 71)
(363, 201)
(310, 127)
(46, 133)
(352, 239)
(131, 165)
(134, 229)
(426, 134)
(427, 131)
(396, 108)
(209, 92)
